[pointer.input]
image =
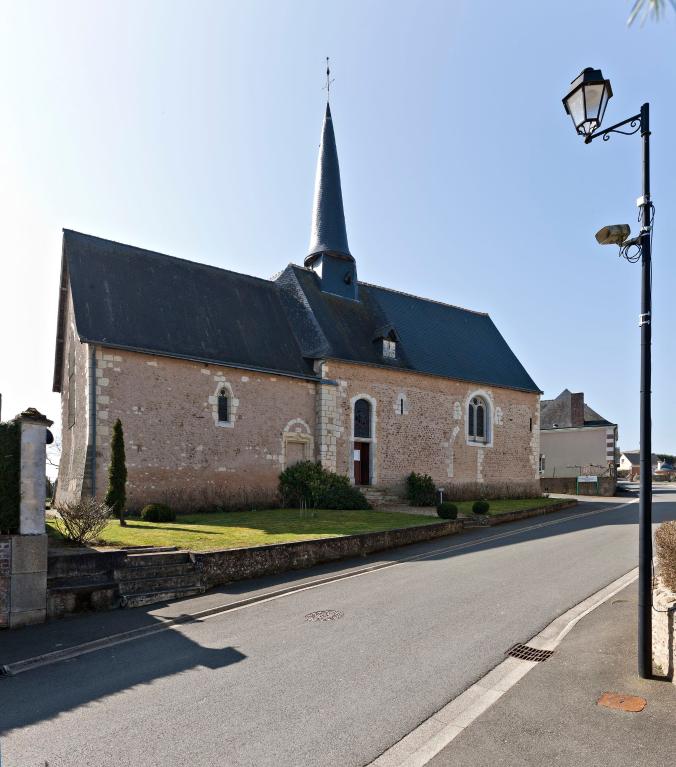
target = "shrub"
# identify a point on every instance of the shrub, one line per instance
(307, 483)
(116, 497)
(480, 507)
(665, 549)
(338, 493)
(83, 522)
(10, 468)
(420, 489)
(299, 484)
(158, 512)
(447, 510)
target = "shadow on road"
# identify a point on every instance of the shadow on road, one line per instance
(47, 692)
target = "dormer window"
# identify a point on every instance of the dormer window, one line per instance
(385, 339)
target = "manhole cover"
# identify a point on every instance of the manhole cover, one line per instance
(616, 700)
(324, 615)
(525, 652)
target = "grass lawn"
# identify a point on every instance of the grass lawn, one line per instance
(229, 530)
(507, 506)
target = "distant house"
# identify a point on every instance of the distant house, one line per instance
(631, 464)
(665, 471)
(574, 439)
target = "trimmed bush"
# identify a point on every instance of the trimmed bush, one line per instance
(338, 493)
(116, 497)
(83, 522)
(665, 550)
(10, 470)
(300, 483)
(158, 512)
(447, 510)
(308, 484)
(480, 507)
(420, 490)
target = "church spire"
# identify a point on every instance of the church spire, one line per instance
(327, 233)
(329, 254)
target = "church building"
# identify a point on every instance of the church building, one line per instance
(221, 379)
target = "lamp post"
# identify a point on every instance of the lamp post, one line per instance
(586, 104)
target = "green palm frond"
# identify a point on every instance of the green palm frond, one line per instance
(649, 8)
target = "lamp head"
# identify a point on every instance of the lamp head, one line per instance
(615, 234)
(587, 99)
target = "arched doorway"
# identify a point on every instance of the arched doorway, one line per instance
(362, 442)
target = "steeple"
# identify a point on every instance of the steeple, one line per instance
(329, 254)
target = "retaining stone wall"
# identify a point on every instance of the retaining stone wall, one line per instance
(664, 630)
(5, 572)
(219, 567)
(607, 486)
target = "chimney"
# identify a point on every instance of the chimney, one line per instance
(577, 409)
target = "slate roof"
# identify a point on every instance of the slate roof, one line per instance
(130, 298)
(433, 338)
(556, 413)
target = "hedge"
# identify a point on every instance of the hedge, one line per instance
(10, 476)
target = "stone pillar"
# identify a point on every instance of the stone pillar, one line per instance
(28, 556)
(33, 475)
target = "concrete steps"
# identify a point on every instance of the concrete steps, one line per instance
(150, 598)
(157, 576)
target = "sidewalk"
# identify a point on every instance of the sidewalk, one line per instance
(551, 717)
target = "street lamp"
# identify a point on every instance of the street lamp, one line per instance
(586, 103)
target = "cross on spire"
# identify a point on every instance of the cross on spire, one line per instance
(329, 80)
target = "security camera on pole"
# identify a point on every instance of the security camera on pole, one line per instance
(586, 103)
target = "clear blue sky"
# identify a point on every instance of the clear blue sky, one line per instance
(192, 128)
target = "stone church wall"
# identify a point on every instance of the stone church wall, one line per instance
(73, 469)
(430, 435)
(177, 451)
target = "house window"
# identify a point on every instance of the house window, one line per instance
(542, 463)
(223, 407)
(362, 419)
(477, 422)
(389, 349)
(71, 384)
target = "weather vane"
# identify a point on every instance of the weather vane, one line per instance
(329, 80)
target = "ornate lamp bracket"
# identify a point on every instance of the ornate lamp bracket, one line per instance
(634, 123)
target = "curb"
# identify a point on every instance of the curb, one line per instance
(422, 744)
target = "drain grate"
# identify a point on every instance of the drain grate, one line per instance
(525, 652)
(324, 615)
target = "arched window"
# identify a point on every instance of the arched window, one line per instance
(223, 406)
(362, 419)
(477, 421)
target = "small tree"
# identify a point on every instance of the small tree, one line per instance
(84, 521)
(116, 497)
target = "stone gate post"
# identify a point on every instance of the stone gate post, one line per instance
(28, 549)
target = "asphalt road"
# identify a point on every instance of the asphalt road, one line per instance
(263, 686)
